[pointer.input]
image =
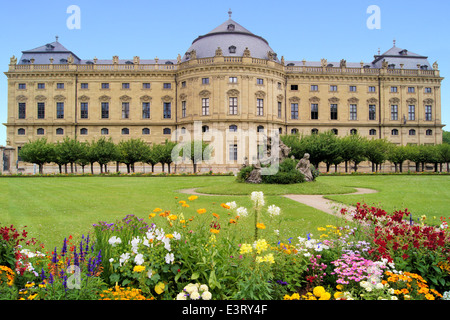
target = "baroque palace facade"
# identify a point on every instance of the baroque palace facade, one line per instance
(230, 80)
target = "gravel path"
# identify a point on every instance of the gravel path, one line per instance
(315, 201)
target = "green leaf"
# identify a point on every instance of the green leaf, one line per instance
(195, 276)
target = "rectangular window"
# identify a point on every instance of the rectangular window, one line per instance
(233, 152)
(41, 110)
(314, 111)
(393, 89)
(233, 105)
(232, 79)
(294, 87)
(41, 86)
(279, 85)
(22, 86)
(427, 90)
(372, 112)
(294, 110)
(105, 110)
(428, 116)
(146, 85)
(183, 109)
(333, 88)
(353, 112)
(205, 80)
(60, 110)
(125, 86)
(84, 109)
(84, 86)
(260, 107)
(411, 112)
(352, 88)
(167, 110)
(22, 110)
(314, 87)
(167, 85)
(259, 81)
(394, 112)
(125, 110)
(105, 85)
(60, 85)
(279, 109)
(183, 84)
(411, 90)
(333, 112)
(372, 89)
(205, 107)
(145, 110)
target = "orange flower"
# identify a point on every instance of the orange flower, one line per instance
(216, 215)
(182, 201)
(172, 217)
(201, 211)
(185, 205)
(214, 231)
(232, 221)
(157, 210)
(151, 215)
(192, 198)
(224, 205)
(260, 225)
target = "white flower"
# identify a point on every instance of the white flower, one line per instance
(134, 244)
(206, 295)
(195, 295)
(203, 287)
(139, 259)
(176, 236)
(191, 288)
(258, 198)
(241, 211)
(113, 241)
(111, 260)
(124, 258)
(181, 296)
(273, 210)
(232, 205)
(166, 242)
(149, 273)
(169, 258)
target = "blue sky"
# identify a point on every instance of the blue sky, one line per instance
(297, 30)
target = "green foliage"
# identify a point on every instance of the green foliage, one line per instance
(286, 174)
(132, 151)
(38, 151)
(244, 173)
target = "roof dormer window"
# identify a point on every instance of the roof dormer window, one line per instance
(128, 62)
(404, 52)
(232, 49)
(230, 27)
(63, 60)
(49, 47)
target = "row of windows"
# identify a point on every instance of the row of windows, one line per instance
(372, 132)
(84, 131)
(352, 88)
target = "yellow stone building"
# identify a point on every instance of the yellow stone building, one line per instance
(229, 81)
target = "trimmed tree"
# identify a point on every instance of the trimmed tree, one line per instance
(132, 151)
(37, 151)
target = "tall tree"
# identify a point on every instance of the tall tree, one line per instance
(397, 155)
(132, 151)
(105, 151)
(37, 151)
(166, 154)
(376, 152)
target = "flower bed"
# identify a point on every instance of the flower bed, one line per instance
(189, 252)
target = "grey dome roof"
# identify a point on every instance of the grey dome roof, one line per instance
(226, 36)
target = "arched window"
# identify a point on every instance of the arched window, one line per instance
(21, 131)
(83, 131)
(280, 130)
(335, 131)
(294, 131)
(40, 131)
(394, 132)
(146, 131)
(125, 131)
(260, 129)
(104, 131)
(353, 131)
(59, 131)
(232, 49)
(372, 132)
(233, 128)
(167, 131)
(429, 132)
(412, 132)
(314, 131)
(205, 128)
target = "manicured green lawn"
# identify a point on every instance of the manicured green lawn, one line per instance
(53, 208)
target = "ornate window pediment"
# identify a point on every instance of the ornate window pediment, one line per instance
(314, 99)
(40, 98)
(294, 99)
(183, 96)
(333, 100)
(167, 98)
(394, 100)
(428, 101)
(104, 98)
(233, 93)
(21, 98)
(59, 97)
(146, 98)
(125, 98)
(280, 97)
(84, 98)
(260, 94)
(372, 101)
(411, 100)
(204, 93)
(353, 100)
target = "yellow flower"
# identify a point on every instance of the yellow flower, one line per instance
(201, 211)
(245, 248)
(170, 236)
(192, 198)
(159, 288)
(157, 210)
(318, 291)
(260, 225)
(325, 296)
(338, 295)
(151, 215)
(172, 217)
(215, 231)
(185, 205)
(224, 205)
(138, 268)
(232, 221)
(182, 201)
